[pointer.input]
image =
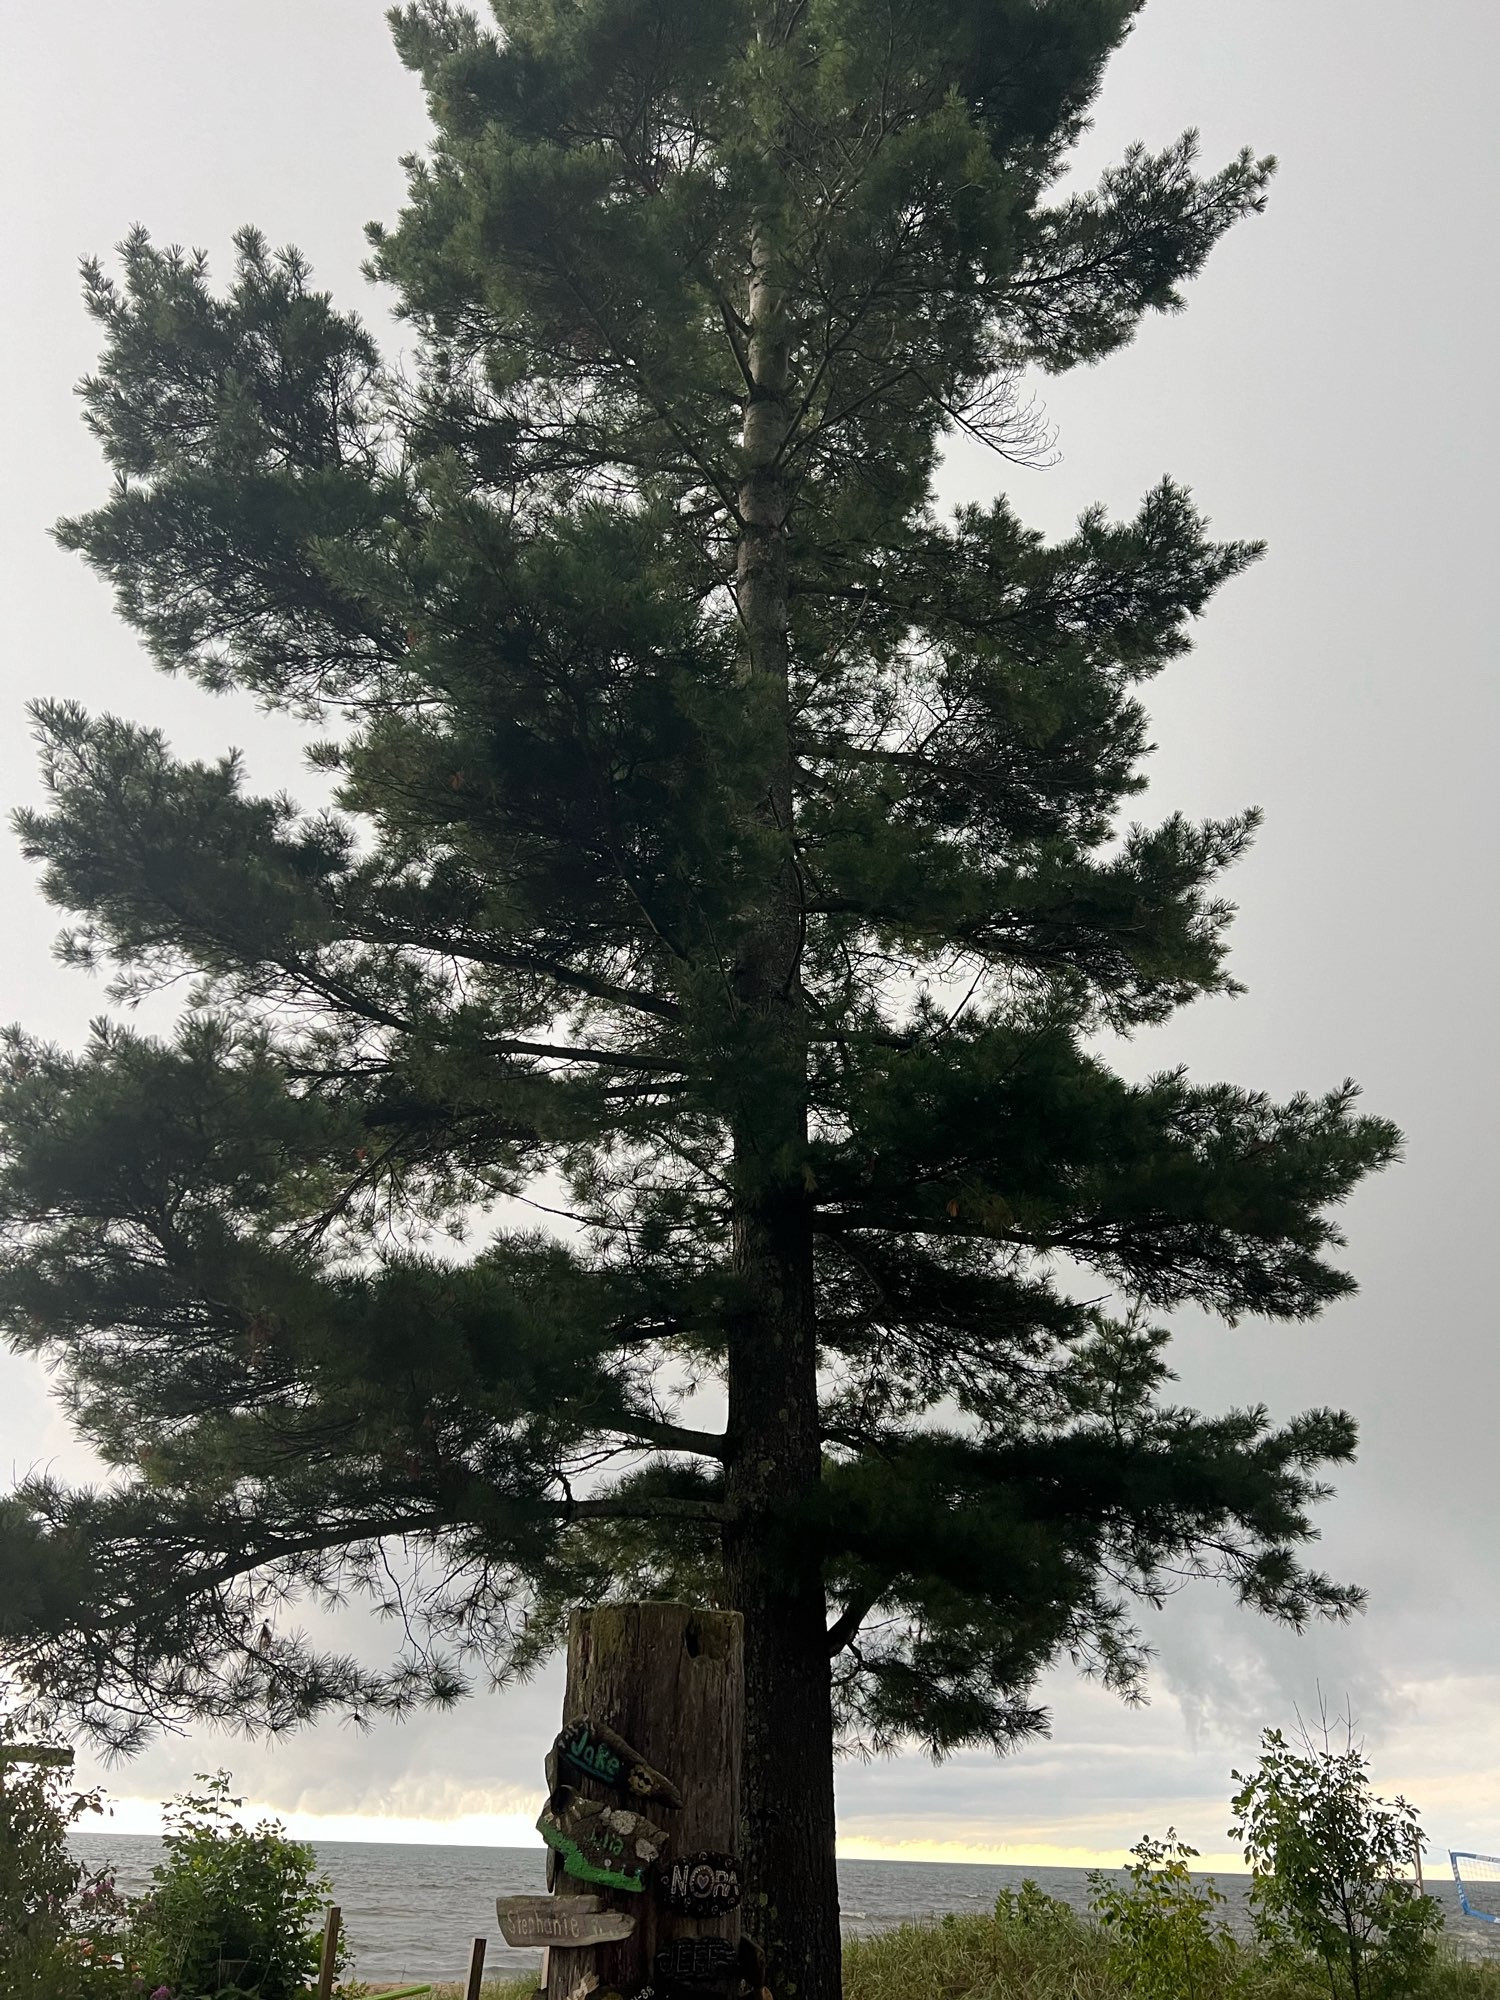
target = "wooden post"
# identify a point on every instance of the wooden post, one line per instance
(671, 1680)
(476, 1970)
(329, 1959)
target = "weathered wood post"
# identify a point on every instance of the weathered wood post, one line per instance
(329, 1959)
(670, 1680)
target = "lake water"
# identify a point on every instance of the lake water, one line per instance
(412, 1912)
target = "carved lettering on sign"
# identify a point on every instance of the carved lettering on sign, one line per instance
(589, 1749)
(703, 1885)
(698, 1964)
(598, 1843)
(560, 1921)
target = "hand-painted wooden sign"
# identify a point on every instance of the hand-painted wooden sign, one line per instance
(703, 1885)
(560, 1921)
(598, 1843)
(698, 1964)
(588, 1749)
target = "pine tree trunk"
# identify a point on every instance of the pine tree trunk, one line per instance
(774, 1568)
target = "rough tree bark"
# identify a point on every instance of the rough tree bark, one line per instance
(775, 1448)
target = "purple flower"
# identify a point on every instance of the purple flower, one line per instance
(161, 1993)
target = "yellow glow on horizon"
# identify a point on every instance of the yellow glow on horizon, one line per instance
(1020, 1854)
(133, 1816)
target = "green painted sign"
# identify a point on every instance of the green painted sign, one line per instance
(605, 1844)
(589, 1749)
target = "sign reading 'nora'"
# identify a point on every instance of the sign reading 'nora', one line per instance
(703, 1885)
(589, 1749)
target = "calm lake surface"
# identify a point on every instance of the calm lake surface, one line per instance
(412, 1912)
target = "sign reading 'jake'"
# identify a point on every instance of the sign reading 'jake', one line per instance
(604, 1844)
(560, 1921)
(703, 1885)
(588, 1749)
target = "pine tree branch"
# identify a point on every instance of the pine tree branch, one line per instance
(602, 1058)
(336, 1535)
(576, 978)
(663, 1507)
(345, 1534)
(672, 1437)
(631, 367)
(845, 1628)
(342, 994)
(734, 327)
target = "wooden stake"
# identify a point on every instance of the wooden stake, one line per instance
(476, 1970)
(331, 1924)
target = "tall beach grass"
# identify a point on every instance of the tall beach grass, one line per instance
(1035, 1948)
(1032, 1947)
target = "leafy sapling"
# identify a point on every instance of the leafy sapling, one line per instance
(1166, 1940)
(1330, 1861)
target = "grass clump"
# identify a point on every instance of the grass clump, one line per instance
(520, 1988)
(1032, 1947)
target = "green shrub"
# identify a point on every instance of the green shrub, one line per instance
(232, 1908)
(1328, 1859)
(1166, 1942)
(38, 1875)
(60, 1927)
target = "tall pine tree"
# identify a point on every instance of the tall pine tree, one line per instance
(726, 861)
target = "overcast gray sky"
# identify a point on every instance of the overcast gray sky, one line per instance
(1331, 388)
